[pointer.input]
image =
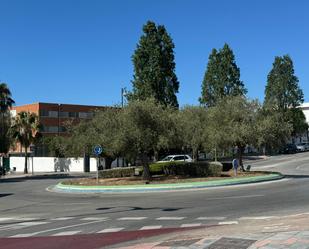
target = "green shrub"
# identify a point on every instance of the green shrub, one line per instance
(194, 169)
(117, 172)
(227, 166)
(157, 168)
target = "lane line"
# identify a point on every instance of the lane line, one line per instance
(228, 223)
(95, 218)
(191, 225)
(65, 227)
(23, 235)
(170, 218)
(111, 230)
(62, 218)
(132, 218)
(258, 218)
(66, 233)
(22, 225)
(211, 218)
(150, 227)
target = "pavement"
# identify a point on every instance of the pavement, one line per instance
(30, 215)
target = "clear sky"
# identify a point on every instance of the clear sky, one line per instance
(73, 51)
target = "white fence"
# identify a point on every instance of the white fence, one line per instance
(54, 164)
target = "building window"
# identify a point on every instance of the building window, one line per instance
(73, 114)
(44, 113)
(64, 114)
(62, 129)
(49, 129)
(51, 114)
(85, 115)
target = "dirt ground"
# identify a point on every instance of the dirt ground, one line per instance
(156, 179)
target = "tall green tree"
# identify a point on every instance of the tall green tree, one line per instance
(283, 94)
(6, 102)
(282, 90)
(222, 77)
(25, 130)
(154, 67)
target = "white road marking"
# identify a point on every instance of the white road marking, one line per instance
(65, 227)
(228, 223)
(211, 218)
(62, 218)
(150, 227)
(6, 219)
(132, 218)
(66, 233)
(258, 218)
(22, 225)
(235, 197)
(191, 225)
(170, 218)
(23, 235)
(111, 230)
(95, 218)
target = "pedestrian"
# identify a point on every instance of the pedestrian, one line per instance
(235, 165)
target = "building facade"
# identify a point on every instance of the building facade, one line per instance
(53, 118)
(305, 108)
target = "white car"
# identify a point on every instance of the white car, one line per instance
(178, 158)
(301, 147)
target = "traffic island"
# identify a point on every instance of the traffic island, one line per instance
(78, 187)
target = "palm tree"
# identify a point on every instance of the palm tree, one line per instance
(6, 102)
(25, 130)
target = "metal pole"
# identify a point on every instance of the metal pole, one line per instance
(97, 170)
(122, 97)
(32, 164)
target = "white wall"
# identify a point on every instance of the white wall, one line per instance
(54, 164)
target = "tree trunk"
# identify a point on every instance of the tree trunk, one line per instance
(146, 170)
(240, 153)
(108, 162)
(26, 161)
(156, 156)
(195, 155)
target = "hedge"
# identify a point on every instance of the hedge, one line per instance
(117, 172)
(195, 169)
(157, 168)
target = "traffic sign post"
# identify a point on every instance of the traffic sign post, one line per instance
(97, 150)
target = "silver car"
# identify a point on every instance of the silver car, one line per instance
(171, 158)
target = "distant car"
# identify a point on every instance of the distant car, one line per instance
(306, 146)
(177, 158)
(301, 147)
(289, 149)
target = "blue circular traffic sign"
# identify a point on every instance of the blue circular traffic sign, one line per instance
(97, 149)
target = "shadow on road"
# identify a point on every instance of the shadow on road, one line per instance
(4, 195)
(39, 177)
(297, 176)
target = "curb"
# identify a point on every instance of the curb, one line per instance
(60, 187)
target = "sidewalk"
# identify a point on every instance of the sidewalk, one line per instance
(284, 232)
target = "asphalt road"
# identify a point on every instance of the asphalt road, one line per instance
(27, 209)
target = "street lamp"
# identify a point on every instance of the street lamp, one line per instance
(124, 94)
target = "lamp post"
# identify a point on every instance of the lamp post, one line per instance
(123, 95)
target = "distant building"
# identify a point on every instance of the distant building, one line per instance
(305, 109)
(53, 118)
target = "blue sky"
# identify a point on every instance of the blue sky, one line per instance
(72, 51)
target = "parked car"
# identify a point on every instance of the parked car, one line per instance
(289, 149)
(179, 158)
(301, 147)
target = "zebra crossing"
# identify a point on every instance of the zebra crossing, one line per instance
(21, 227)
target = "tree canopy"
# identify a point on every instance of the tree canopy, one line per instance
(222, 77)
(154, 67)
(282, 90)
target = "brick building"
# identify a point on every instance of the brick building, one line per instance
(53, 118)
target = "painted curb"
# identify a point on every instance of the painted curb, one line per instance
(163, 187)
